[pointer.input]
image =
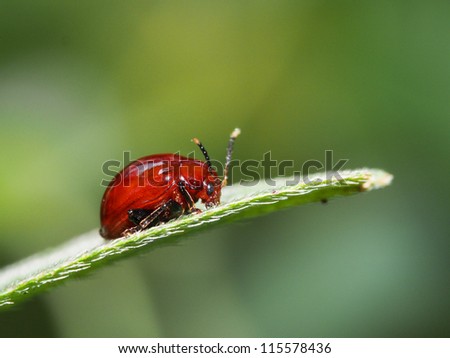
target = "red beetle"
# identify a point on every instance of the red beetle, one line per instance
(160, 187)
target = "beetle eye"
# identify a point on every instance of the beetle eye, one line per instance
(209, 189)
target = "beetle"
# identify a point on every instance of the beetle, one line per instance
(157, 188)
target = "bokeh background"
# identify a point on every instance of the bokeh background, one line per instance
(81, 82)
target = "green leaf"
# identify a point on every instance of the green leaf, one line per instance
(89, 251)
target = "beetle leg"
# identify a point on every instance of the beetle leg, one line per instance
(143, 222)
(157, 215)
(188, 198)
(130, 231)
(186, 195)
(136, 215)
(144, 218)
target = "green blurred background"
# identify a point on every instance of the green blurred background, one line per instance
(80, 82)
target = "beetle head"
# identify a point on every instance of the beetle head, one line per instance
(211, 190)
(212, 185)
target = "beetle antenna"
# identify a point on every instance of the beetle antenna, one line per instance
(205, 153)
(233, 137)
